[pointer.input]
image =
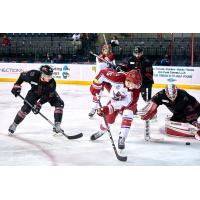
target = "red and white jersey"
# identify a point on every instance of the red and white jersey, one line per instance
(100, 64)
(121, 97)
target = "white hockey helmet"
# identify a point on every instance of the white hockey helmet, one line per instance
(171, 91)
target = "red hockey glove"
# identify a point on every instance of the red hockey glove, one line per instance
(16, 90)
(149, 111)
(36, 108)
(95, 88)
(103, 111)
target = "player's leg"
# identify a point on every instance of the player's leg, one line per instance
(94, 106)
(103, 129)
(146, 94)
(25, 110)
(58, 103)
(127, 119)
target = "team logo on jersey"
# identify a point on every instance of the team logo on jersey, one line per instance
(165, 101)
(33, 83)
(65, 72)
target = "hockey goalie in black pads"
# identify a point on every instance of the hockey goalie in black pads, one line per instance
(43, 89)
(185, 109)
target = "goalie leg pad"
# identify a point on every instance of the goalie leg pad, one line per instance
(179, 129)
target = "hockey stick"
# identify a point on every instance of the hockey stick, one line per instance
(67, 136)
(104, 60)
(105, 39)
(147, 136)
(147, 122)
(114, 67)
(121, 158)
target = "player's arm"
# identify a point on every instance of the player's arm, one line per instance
(24, 76)
(148, 112)
(104, 76)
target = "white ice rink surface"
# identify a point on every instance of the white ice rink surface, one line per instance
(34, 144)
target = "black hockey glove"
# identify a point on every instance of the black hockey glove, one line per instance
(16, 90)
(36, 108)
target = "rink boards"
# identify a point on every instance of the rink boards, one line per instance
(83, 74)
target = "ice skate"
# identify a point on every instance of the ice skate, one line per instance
(121, 143)
(57, 130)
(96, 135)
(91, 113)
(12, 128)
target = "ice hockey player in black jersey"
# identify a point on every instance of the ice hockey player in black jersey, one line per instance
(43, 89)
(139, 62)
(185, 108)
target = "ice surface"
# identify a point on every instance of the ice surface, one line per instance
(34, 144)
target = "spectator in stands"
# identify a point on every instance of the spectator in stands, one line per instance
(165, 61)
(92, 38)
(114, 42)
(85, 44)
(76, 36)
(49, 58)
(6, 41)
(76, 39)
(59, 59)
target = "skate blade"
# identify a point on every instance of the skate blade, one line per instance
(10, 134)
(57, 134)
(149, 139)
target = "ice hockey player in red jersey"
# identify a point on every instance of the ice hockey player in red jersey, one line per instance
(106, 55)
(43, 89)
(125, 90)
(185, 109)
(101, 64)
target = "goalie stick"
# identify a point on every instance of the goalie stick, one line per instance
(121, 158)
(147, 136)
(67, 136)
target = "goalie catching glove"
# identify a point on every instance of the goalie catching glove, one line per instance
(148, 112)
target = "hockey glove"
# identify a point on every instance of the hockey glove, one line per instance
(95, 88)
(16, 90)
(36, 108)
(103, 111)
(149, 111)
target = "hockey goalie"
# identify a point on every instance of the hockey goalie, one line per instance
(185, 109)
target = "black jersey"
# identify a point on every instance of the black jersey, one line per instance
(44, 90)
(144, 66)
(185, 107)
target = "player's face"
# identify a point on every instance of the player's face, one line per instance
(105, 51)
(46, 78)
(131, 85)
(138, 55)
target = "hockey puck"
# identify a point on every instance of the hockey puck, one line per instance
(187, 143)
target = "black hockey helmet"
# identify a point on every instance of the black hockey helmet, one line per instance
(137, 49)
(46, 69)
